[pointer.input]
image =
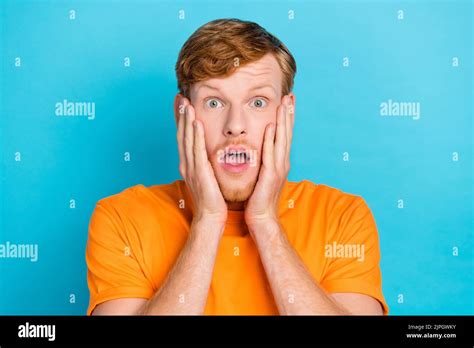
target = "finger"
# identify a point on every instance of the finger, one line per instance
(290, 121)
(189, 139)
(268, 145)
(180, 139)
(200, 154)
(280, 140)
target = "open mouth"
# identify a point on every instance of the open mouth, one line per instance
(237, 157)
(235, 160)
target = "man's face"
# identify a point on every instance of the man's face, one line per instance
(235, 111)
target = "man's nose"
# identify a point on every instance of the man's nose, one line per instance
(235, 124)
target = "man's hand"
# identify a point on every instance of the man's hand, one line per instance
(196, 169)
(262, 206)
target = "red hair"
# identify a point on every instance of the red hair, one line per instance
(219, 47)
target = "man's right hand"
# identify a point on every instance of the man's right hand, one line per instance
(196, 170)
(191, 275)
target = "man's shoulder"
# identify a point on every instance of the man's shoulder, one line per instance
(338, 215)
(140, 196)
(137, 213)
(322, 202)
(320, 193)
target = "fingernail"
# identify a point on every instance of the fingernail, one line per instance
(290, 109)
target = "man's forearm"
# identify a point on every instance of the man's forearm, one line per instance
(294, 289)
(186, 288)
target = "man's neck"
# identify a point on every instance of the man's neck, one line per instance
(235, 205)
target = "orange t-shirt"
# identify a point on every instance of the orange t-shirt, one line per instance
(136, 236)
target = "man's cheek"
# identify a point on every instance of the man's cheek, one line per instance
(271, 115)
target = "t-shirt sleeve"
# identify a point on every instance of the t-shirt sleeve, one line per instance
(354, 255)
(112, 268)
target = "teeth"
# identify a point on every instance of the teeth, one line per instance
(235, 157)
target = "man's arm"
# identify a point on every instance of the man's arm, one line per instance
(293, 287)
(186, 288)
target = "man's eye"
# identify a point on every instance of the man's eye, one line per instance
(259, 103)
(213, 103)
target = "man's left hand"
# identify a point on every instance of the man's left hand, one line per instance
(262, 206)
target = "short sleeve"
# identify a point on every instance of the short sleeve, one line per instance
(353, 254)
(112, 268)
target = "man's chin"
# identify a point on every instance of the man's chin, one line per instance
(237, 194)
(236, 188)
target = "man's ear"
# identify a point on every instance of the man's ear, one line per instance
(180, 102)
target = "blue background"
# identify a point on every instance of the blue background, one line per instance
(337, 111)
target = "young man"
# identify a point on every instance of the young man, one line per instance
(235, 237)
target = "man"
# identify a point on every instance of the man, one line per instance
(235, 237)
